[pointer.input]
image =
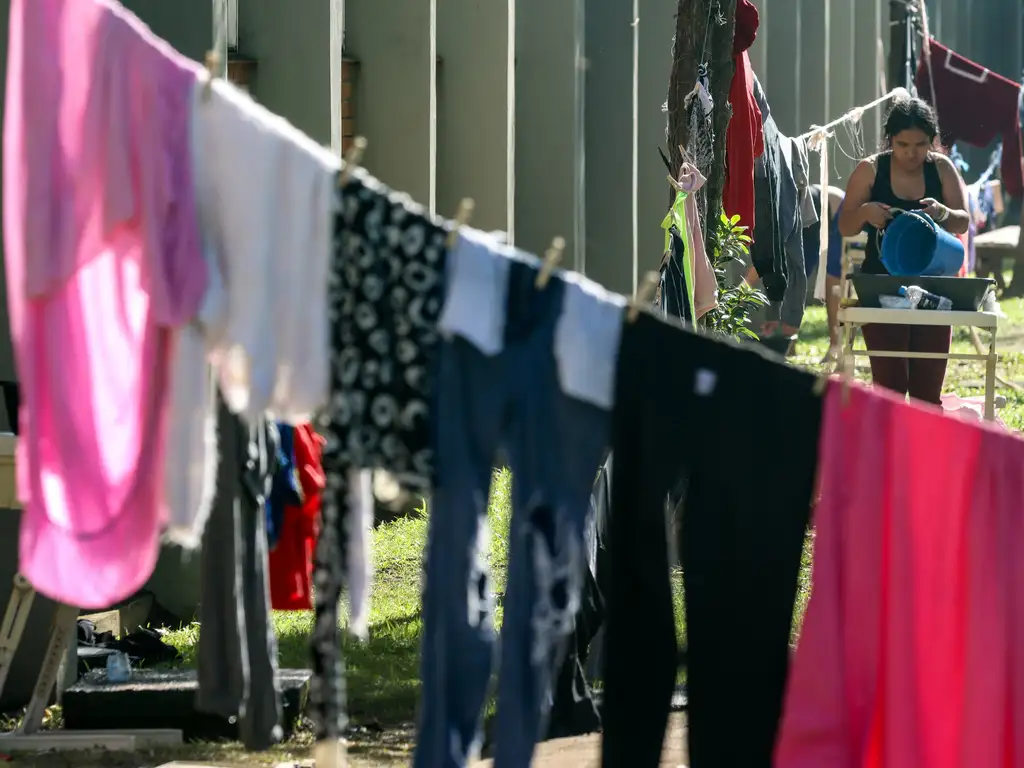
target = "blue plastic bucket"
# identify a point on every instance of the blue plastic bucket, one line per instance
(913, 245)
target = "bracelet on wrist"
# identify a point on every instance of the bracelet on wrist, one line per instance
(943, 215)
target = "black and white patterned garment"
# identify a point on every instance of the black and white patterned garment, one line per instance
(386, 293)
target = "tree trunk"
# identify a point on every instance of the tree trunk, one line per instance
(722, 70)
(691, 31)
(704, 32)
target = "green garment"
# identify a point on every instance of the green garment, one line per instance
(676, 217)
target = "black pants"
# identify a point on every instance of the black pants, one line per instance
(573, 711)
(684, 412)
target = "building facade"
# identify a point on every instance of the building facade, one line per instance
(548, 114)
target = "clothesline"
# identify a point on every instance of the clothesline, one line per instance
(997, 158)
(817, 141)
(853, 114)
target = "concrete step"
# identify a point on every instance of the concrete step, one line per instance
(165, 698)
(74, 741)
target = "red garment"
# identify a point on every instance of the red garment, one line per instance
(912, 651)
(744, 139)
(291, 561)
(975, 105)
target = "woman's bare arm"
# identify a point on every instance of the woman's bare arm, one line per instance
(954, 198)
(858, 192)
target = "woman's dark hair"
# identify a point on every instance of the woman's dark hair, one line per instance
(909, 113)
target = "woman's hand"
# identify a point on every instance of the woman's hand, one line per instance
(876, 214)
(935, 210)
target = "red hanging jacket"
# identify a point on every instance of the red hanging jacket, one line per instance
(744, 139)
(975, 105)
(291, 561)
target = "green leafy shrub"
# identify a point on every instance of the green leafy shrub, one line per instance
(730, 244)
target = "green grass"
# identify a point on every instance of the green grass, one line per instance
(383, 672)
(963, 377)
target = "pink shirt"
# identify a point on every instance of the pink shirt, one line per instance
(705, 283)
(912, 651)
(103, 260)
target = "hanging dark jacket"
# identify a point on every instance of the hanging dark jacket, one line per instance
(768, 251)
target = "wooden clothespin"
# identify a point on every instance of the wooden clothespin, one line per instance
(462, 217)
(212, 63)
(551, 259)
(644, 293)
(674, 182)
(353, 157)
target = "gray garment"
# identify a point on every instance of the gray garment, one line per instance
(774, 177)
(795, 301)
(789, 198)
(801, 166)
(794, 154)
(789, 191)
(237, 647)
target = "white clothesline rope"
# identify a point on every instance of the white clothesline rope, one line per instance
(854, 114)
(817, 141)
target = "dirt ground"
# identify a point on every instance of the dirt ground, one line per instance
(585, 751)
(387, 750)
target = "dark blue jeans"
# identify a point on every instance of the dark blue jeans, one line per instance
(509, 402)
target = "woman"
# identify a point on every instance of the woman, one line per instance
(913, 176)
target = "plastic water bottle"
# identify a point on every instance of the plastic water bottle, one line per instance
(919, 298)
(119, 668)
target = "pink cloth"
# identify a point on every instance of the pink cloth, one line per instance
(912, 651)
(972, 408)
(705, 284)
(103, 259)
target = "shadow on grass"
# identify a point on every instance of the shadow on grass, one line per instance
(383, 674)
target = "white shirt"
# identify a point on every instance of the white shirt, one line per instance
(266, 196)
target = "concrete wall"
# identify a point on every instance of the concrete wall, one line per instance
(549, 141)
(609, 140)
(628, 61)
(870, 25)
(291, 43)
(656, 32)
(395, 43)
(475, 106)
(549, 114)
(777, 66)
(821, 60)
(185, 24)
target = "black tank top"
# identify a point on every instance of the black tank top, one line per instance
(881, 192)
